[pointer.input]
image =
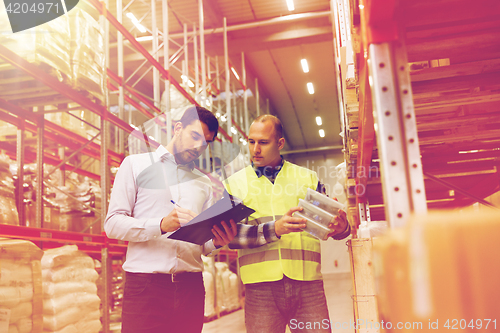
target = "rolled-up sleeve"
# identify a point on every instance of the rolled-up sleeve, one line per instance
(120, 223)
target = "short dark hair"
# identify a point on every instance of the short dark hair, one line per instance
(199, 113)
(278, 127)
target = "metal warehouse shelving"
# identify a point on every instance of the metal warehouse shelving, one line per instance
(420, 94)
(18, 109)
(448, 95)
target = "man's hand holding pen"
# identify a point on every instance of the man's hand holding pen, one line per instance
(176, 219)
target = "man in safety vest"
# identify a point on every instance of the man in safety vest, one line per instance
(279, 264)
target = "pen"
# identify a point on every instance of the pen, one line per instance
(172, 201)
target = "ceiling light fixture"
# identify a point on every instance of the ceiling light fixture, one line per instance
(319, 121)
(310, 88)
(322, 133)
(136, 22)
(144, 38)
(305, 65)
(234, 72)
(291, 6)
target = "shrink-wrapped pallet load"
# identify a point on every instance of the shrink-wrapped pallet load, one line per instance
(87, 51)
(208, 282)
(70, 302)
(46, 45)
(227, 291)
(8, 210)
(70, 48)
(20, 287)
(441, 271)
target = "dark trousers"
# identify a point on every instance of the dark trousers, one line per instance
(153, 303)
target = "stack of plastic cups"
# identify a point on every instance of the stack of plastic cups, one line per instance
(318, 211)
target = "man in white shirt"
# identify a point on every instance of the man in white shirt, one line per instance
(164, 289)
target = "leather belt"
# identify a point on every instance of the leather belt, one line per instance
(176, 277)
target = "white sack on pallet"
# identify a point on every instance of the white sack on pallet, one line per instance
(11, 273)
(51, 289)
(12, 296)
(23, 310)
(24, 325)
(70, 274)
(89, 323)
(67, 329)
(77, 261)
(63, 318)
(70, 300)
(52, 257)
(84, 301)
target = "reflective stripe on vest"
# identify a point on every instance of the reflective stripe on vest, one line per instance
(273, 255)
(258, 257)
(301, 255)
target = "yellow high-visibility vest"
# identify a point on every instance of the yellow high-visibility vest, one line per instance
(297, 254)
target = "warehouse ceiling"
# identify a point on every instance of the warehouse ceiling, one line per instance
(273, 41)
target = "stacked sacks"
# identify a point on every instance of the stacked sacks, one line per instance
(20, 286)
(70, 303)
(8, 210)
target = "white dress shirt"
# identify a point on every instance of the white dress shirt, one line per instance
(141, 197)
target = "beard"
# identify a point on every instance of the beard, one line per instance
(186, 156)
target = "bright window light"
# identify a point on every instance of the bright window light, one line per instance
(234, 72)
(322, 133)
(319, 121)
(305, 65)
(190, 84)
(217, 114)
(233, 130)
(144, 38)
(223, 118)
(310, 87)
(291, 6)
(136, 22)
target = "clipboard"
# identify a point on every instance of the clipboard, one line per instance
(199, 229)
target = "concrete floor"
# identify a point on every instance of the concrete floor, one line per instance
(338, 290)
